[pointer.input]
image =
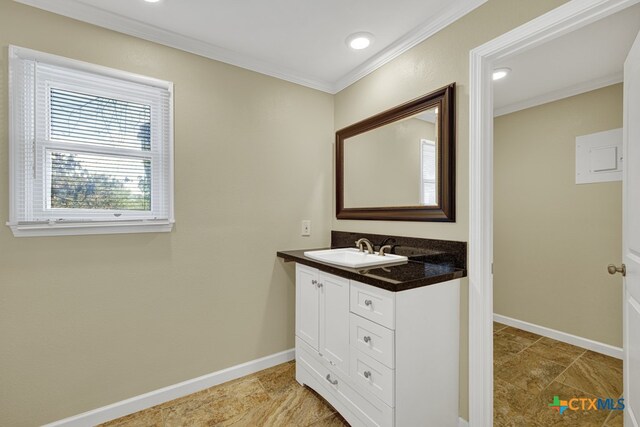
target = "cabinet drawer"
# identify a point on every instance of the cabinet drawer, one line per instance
(373, 303)
(373, 377)
(369, 411)
(372, 339)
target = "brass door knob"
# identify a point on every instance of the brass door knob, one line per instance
(612, 269)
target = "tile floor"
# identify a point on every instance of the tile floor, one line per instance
(268, 398)
(529, 370)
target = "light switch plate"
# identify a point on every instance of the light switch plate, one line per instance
(306, 227)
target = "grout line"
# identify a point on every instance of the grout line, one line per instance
(265, 389)
(610, 414)
(529, 346)
(501, 329)
(552, 381)
(567, 368)
(571, 385)
(607, 419)
(555, 379)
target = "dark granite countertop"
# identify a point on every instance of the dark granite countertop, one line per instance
(413, 274)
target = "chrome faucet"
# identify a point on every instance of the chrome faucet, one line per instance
(360, 244)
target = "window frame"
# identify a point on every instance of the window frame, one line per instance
(423, 180)
(98, 221)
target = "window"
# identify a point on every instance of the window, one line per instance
(91, 148)
(428, 157)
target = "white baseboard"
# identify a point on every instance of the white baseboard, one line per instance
(462, 422)
(596, 346)
(156, 397)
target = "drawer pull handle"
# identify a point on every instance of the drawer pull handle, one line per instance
(367, 374)
(314, 282)
(334, 382)
(368, 302)
(319, 285)
(367, 339)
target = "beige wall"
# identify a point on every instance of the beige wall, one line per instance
(89, 320)
(436, 62)
(553, 238)
(382, 167)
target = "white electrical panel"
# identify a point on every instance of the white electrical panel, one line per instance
(599, 157)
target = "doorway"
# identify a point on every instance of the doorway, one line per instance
(568, 18)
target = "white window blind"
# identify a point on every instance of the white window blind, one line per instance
(91, 148)
(429, 195)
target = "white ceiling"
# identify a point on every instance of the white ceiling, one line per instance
(583, 60)
(297, 40)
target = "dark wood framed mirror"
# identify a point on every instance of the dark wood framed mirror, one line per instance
(399, 165)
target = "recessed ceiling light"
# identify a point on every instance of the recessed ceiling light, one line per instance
(500, 73)
(152, 1)
(360, 40)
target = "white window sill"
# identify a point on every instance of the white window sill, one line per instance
(86, 228)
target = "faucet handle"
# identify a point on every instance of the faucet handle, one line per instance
(382, 249)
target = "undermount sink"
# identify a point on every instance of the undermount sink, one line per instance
(353, 258)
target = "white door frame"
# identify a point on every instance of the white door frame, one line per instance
(562, 20)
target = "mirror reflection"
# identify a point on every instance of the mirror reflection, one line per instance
(399, 165)
(393, 165)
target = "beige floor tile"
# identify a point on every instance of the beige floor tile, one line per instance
(596, 374)
(540, 414)
(504, 348)
(151, 417)
(200, 395)
(612, 362)
(615, 419)
(519, 335)
(509, 404)
(219, 404)
(525, 366)
(334, 420)
(529, 371)
(296, 406)
(278, 378)
(498, 326)
(556, 351)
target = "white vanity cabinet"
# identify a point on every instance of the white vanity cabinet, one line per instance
(323, 319)
(380, 358)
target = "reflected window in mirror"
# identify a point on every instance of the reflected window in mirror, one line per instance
(428, 193)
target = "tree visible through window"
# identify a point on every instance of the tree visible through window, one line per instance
(89, 181)
(75, 185)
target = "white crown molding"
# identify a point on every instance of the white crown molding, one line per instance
(96, 16)
(411, 39)
(557, 95)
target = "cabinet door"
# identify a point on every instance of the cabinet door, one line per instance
(307, 305)
(334, 320)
